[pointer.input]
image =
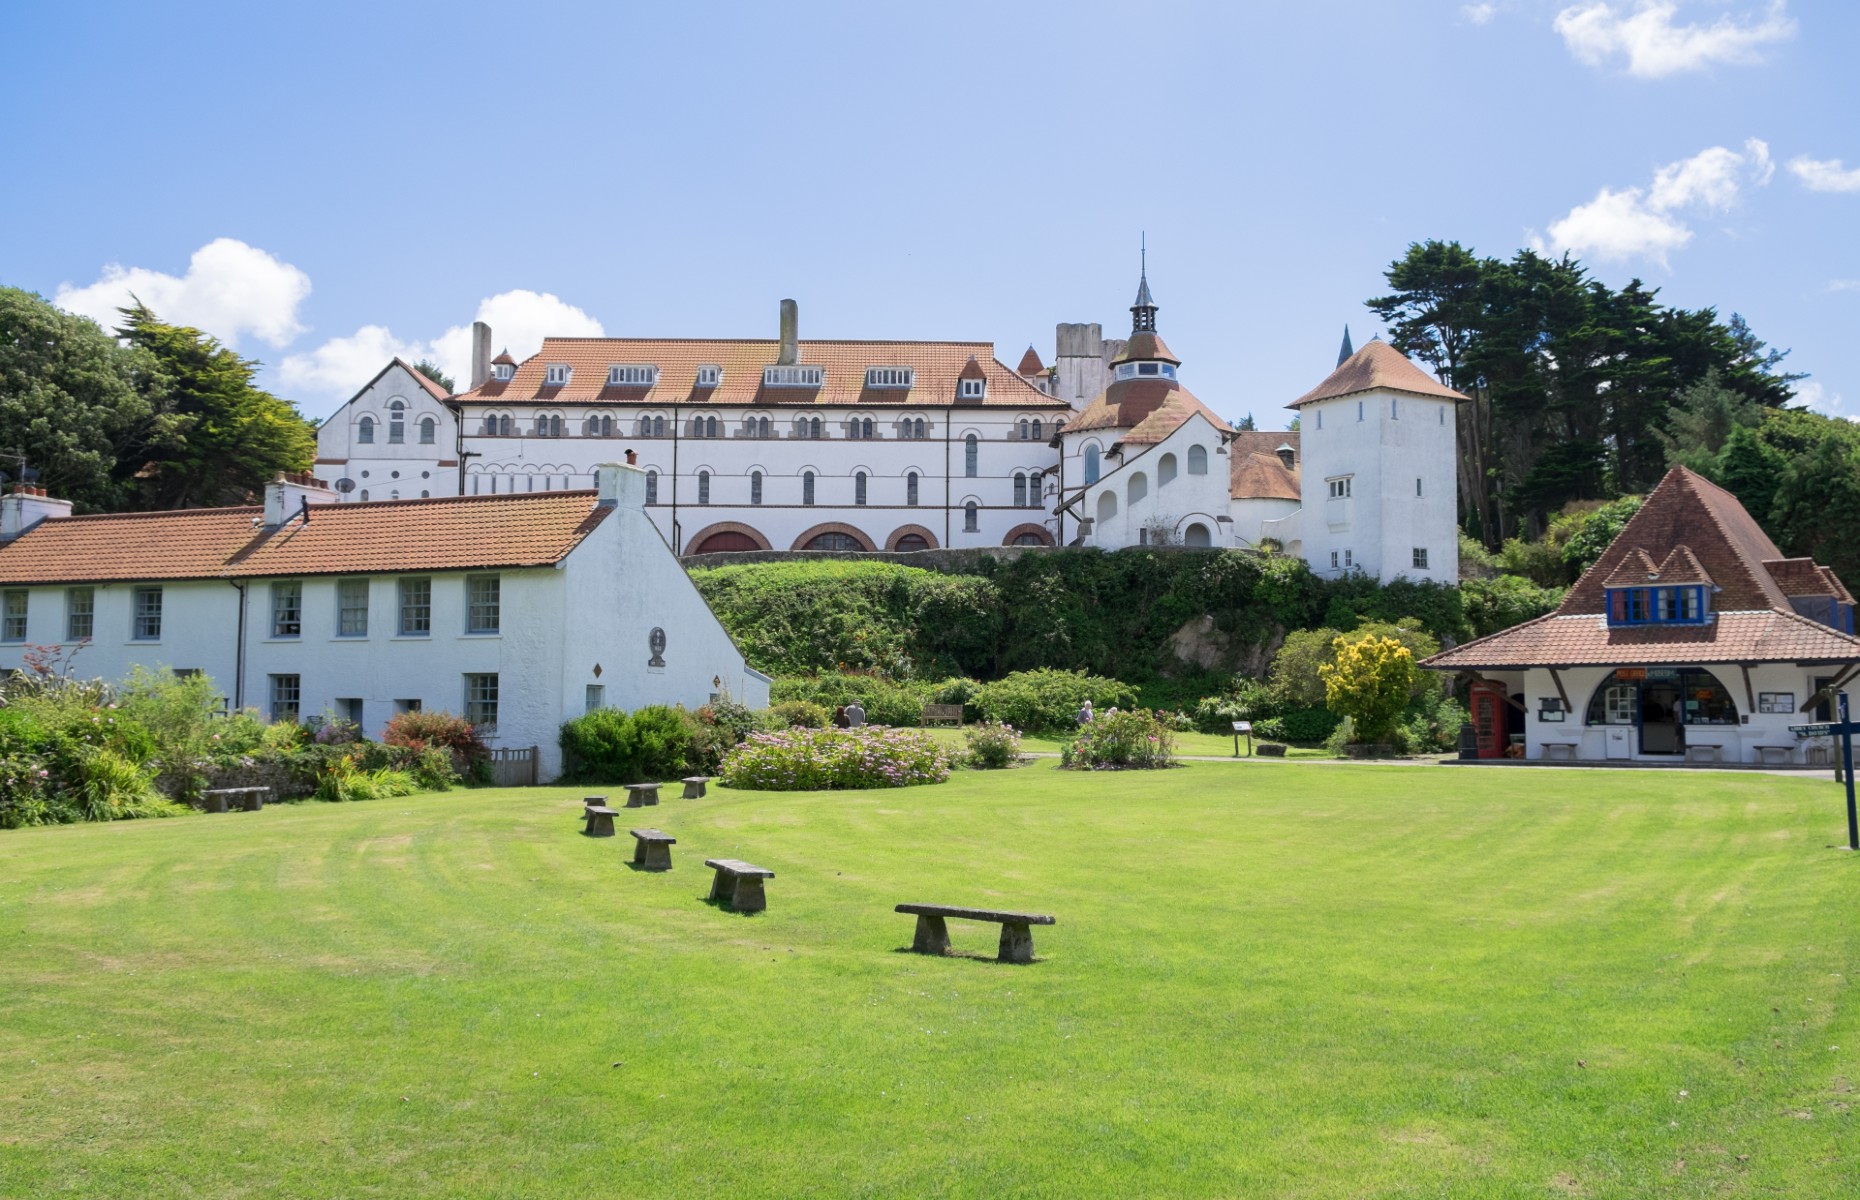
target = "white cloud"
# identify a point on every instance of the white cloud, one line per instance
(1479, 14)
(1824, 175)
(1654, 45)
(1844, 285)
(1813, 395)
(230, 290)
(519, 321)
(1650, 222)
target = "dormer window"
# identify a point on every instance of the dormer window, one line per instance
(796, 377)
(709, 375)
(971, 389)
(625, 375)
(503, 371)
(1683, 605)
(556, 375)
(889, 377)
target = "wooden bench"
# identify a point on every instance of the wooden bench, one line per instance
(933, 713)
(738, 884)
(641, 795)
(246, 799)
(652, 849)
(933, 935)
(694, 786)
(600, 820)
(1564, 751)
(1775, 754)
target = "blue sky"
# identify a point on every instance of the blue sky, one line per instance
(323, 185)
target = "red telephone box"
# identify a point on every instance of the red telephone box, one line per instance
(1488, 702)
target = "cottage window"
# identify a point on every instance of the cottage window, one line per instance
(365, 431)
(352, 608)
(595, 698)
(483, 603)
(481, 702)
(1420, 558)
(287, 608)
(286, 697)
(13, 625)
(145, 610)
(397, 422)
(416, 607)
(80, 613)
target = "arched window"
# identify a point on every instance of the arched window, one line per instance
(859, 487)
(1197, 535)
(1026, 431)
(813, 428)
(1034, 484)
(397, 422)
(1165, 471)
(833, 541)
(912, 541)
(658, 426)
(652, 487)
(365, 431)
(364, 495)
(971, 517)
(506, 425)
(1107, 506)
(807, 487)
(1197, 460)
(1091, 464)
(1658, 699)
(910, 489)
(427, 429)
(870, 429)
(710, 427)
(1038, 435)
(1020, 489)
(920, 429)
(762, 427)
(1138, 487)
(971, 455)
(1027, 539)
(755, 487)
(703, 487)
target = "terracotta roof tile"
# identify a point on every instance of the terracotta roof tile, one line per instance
(1376, 365)
(1636, 570)
(1030, 363)
(1261, 476)
(1131, 403)
(1145, 344)
(1682, 566)
(432, 388)
(531, 529)
(1799, 576)
(1585, 639)
(936, 366)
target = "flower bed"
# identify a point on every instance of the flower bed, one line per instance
(811, 760)
(1134, 740)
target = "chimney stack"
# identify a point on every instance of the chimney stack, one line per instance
(480, 353)
(617, 485)
(790, 335)
(286, 496)
(25, 506)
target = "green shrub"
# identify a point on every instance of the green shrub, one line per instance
(1307, 726)
(800, 714)
(1431, 724)
(110, 787)
(886, 701)
(1049, 700)
(992, 745)
(806, 760)
(436, 727)
(1497, 604)
(717, 728)
(344, 779)
(609, 746)
(1217, 714)
(1126, 740)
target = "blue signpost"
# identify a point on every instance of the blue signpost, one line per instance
(1844, 729)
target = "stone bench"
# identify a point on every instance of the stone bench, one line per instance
(1565, 751)
(641, 795)
(1775, 754)
(694, 786)
(246, 799)
(1269, 750)
(950, 713)
(587, 802)
(652, 849)
(738, 884)
(600, 820)
(1702, 754)
(933, 934)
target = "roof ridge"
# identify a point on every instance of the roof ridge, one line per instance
(158, 512)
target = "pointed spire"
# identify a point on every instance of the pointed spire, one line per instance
(1143, 312)
(1344, 354)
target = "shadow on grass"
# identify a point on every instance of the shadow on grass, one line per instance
(724, 906)
(969, 955)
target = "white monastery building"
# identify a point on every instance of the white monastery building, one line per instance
(517, 611)
(851, 446)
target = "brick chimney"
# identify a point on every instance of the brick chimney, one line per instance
(25, 506)
(287, 495)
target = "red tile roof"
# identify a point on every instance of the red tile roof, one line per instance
(1030, 363)
(1150, 409)
(1261, 475)
(1145, 344)
(936, 366)
(1585, 639)
(458, 533)
(1799, 576)
(432, 388)
(1376, 365)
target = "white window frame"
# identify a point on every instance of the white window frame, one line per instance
(287, 697)
(484, 604)
(1420, 558)
(74, 610)
(890, 377)
(481, 697)
(632, 375)
(287, 608)
(971, 389)
(1339, 486)
(413, 595)
(558, 375)
(794, 377)
(709, 375)
(347, 609)
(145, 614)
(13, 619)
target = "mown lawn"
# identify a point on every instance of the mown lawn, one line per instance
(1328, 981)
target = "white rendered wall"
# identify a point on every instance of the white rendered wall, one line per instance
(1171, 495)
(383, 470)
(200, 620)
(1397, 440)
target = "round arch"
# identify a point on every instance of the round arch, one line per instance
(726, 533)
(865, 543)
(917, 531)
(1029, 529)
